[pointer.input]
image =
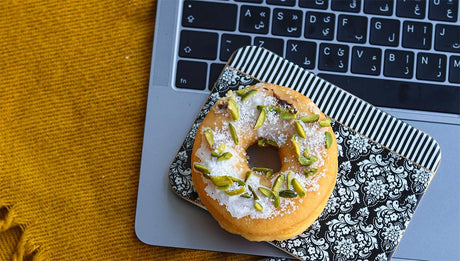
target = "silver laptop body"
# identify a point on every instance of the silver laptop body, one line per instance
(164, 219)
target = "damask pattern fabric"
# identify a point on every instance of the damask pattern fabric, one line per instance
(376, 193)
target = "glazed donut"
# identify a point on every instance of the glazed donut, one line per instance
(255, 202)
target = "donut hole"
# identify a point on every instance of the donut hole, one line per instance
(265, 157)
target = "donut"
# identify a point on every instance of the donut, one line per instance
(257, 202)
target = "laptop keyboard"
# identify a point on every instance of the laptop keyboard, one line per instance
(391, 53)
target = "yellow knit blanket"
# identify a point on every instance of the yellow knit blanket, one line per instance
(73, 85)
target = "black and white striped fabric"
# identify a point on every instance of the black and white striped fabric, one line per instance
(340, 105)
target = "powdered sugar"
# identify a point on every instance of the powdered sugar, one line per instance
(225, 167)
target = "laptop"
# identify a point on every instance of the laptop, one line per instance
(401, 56)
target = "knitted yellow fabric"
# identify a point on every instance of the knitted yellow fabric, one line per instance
(73, 85)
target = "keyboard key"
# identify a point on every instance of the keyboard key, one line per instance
(281, 2)
(411, 8)
(400, 94)
(346, 5)
(273, 44)
(302, 53)
(254, 19)
(333, 57)
(366, 60)
(447, 38)
(287, 22)
(249, 1)
(201, 45)
(454, 69)
(209, 15)
(319, 25)
(443, 10)
(317, 4)
(230, 42)
(191, 75)
(382, 7)
(417, 35)
(398, 64)
(214, 72)
(384, 32)
(352, 29)
(431, 67)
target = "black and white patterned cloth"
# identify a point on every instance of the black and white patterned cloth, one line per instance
(376, 193)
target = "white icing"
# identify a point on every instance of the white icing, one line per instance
(274, 128)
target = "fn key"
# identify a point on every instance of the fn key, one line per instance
(191, 75)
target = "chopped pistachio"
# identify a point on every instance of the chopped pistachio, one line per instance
(303, 161)
(275, 109)
(225, 156)
(328, 136)
(267, 142)
(265, 191)
(209, 137)
(261, 119)
(248, 175)
(247, 94)
(287, 115)
(300, 130)
(262, 143)
(237, 180)
(260, 169)
(325, 123)
(233, 109)
(307, 161)
(267, 171)
(286, 108)
(287, 193)
(254, 194)
(217, 152)
(296, 145)
(246, 195)
(258, 206)
(309, 118)
(261, 107)
(221, 181)
(233, 133)
(313, 158)
(276, 199)
(298, 188)
(289, 180)
(306, 153)
(224, 188)
(278, 182)
(235, 192)
(310, 172)
(201, 168)
(241, 92)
